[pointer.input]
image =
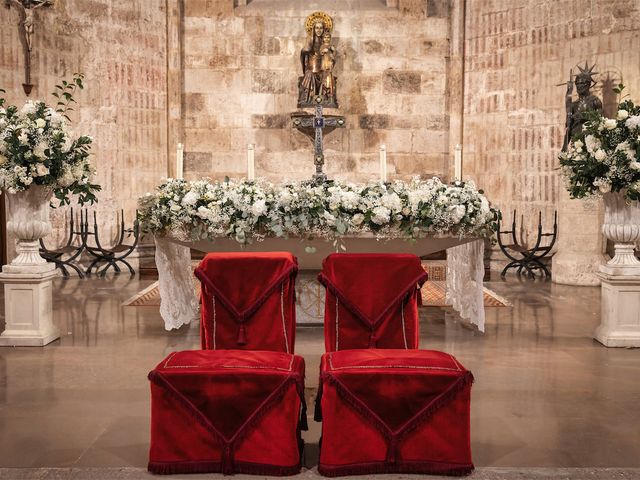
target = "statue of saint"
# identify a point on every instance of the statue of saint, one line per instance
(318, 59)
(576, 109)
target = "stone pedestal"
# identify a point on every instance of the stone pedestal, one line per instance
(28, 306)
(620, 317)
(580, 241)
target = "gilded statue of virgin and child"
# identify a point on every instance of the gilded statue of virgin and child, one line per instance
(317, 84)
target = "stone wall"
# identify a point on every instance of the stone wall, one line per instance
(120, 47)
(517, 51)
(241, 67)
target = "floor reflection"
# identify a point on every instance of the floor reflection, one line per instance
(546, 394)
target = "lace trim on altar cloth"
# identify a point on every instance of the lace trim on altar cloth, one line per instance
(465, 274)
(178, 301)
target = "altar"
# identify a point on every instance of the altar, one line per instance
(465, 267)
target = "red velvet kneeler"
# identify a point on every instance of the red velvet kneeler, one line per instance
(248, 301)
(229, 411)
(394, 411)
(371, 301)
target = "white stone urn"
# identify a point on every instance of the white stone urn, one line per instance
(28, 221)
(621, 226)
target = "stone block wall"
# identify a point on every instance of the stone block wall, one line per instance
(516, 54)
(120, 47)
(241, 67)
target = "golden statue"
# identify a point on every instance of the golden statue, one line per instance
(318, 59)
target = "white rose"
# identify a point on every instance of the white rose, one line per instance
(578, 145)
(39, 151)
(610, 123)
(190, 198)
(357, 219)
(635, 165)
(23, 138)
(40, 123)
(622, 114)
(175, 207)
(28, 108)
(42, 170)
(600, 155)
(633, 122)
(381, 215)
(457, 212)
(259, 208)
(592, 143)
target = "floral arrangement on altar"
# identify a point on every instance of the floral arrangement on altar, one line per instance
(37, 147)
(605, 157)
(253, 210)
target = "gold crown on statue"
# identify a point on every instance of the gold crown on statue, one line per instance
(316, 17)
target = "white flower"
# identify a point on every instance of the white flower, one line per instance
(592, 143)
(42, 170)
(635, 165)
(600, 155)
(357, 219)
(578, 145)
(259, 208)
(381, 215)
(39, 151)
(457, 212)
(391, 201)
(3, 159)
(29, 108)
(175, 207)
(622, 114)
(190, 198)
(40, 123)
(67, 178)
(23, 138)
(632, 122)
(610, 123)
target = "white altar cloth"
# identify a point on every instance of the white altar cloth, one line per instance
(465, 268)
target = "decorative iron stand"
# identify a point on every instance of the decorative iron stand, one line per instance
(522, 257)
(103, 258)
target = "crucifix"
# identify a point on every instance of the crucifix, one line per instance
(315, 127)
(26, 9)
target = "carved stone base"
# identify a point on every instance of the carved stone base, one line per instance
(620, 317)
(28, 308)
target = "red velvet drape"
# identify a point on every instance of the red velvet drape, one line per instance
(248, 301)
(371, 300)
(227, 411)
(401, 411)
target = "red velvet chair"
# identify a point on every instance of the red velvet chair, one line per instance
(248, 301)
(371, 300)
(394, 411)
(228, 411)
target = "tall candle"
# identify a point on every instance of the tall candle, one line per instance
(251, 168)
(180, 161)
(457, 163)
(383, 163)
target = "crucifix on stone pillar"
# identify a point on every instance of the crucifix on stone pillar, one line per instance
(26, 9)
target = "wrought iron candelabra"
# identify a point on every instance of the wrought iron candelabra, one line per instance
(522, 257)
(81, 238)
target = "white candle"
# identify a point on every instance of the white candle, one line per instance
(383, 163)
(457, 163)
(180, 161)
(251, 168)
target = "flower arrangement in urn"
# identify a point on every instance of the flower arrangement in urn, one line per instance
(605, 156)
(37, 148)
(604, 159)
(39, 156)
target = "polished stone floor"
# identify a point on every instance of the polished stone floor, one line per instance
(546, 394)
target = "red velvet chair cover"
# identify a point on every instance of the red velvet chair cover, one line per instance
(229, 411)
(371, 300)
(248, 301)
(394, 411)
